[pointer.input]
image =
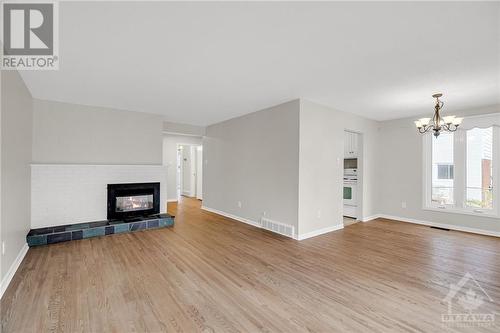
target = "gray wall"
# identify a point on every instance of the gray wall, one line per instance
(16, 127)
(322, 165)
(400, 175)
(254, 159)
(75, 134)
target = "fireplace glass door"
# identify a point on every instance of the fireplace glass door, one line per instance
(134, 203)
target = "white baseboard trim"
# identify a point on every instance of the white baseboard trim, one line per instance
(171, 200)
(257, 225)
(441, 225)
(13, 269)
(231, 216)
(320, 232)
(369, 218)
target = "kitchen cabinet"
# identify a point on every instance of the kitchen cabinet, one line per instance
(350, 145)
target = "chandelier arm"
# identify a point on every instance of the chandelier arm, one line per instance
(425, 129)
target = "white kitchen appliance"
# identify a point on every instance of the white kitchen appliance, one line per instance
(350, 192)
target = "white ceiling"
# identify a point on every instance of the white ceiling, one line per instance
(201, 63)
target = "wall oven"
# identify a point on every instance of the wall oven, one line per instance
(350, 193)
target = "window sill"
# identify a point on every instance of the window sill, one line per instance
(461, 212)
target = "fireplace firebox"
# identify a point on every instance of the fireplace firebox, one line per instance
(126, 201)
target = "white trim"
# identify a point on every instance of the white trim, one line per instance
(462, 211)
(369, 218)
(172, 200)
(13, 269)
(441, 225)
(231, 216)
(320, 232)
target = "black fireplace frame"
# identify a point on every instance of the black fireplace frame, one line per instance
(130, 189)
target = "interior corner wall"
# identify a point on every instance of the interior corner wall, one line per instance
(16, 132)
(321, 166)
(400, 172)
(254, 160)
(183, 129)
(65, 133)
(170, 143)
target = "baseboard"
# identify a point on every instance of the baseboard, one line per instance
(231, 216)
(13, 269)
(256, 224)
(319, 232)
(441, 225)
(369, 218)
(171, 200)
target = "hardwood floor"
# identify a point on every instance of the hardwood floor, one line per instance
(212, 274)
(349, 221)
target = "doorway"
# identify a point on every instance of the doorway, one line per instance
(352, 177)
(189, 171)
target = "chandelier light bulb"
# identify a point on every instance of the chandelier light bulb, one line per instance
(425, 121)
(449, 119)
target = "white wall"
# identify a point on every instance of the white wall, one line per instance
(170, 143)
(401, 178)
(77, 134)
(67, 194)
(322, 165)
(16, 126)
(254, 159)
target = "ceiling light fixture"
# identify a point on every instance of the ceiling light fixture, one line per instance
(438, 123)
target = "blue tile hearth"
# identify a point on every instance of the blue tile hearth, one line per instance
(59, 237)
(109, 230)
(119, 228)
(37, 240)
(153, 224)
(63, 233)
(137, 226)
(93, 232)
(76, 235)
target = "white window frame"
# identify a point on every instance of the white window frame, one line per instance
(459, 172)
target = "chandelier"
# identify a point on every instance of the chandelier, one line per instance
(438, 123)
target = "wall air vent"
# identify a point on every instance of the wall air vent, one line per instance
(277, 227)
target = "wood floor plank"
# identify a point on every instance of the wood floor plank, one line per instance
(212, 274)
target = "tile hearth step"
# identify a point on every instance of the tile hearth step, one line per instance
(63, 233)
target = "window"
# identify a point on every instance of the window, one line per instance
(442, 162)
(479, 168)
(461, 168)
(445, 171)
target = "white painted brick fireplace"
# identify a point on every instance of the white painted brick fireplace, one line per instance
(68, 193)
